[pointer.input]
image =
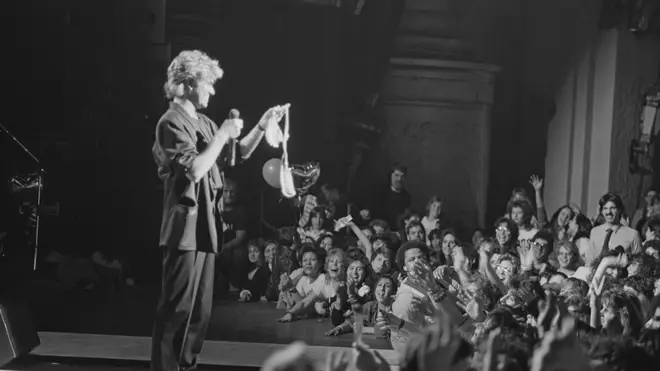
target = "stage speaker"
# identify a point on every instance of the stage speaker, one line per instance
(18, 335)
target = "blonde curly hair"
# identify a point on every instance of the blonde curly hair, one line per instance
(190, 66)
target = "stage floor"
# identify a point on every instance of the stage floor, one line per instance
(110, 331)
(130, 312)
(40, 363)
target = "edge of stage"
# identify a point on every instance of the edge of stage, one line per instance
(137, 348)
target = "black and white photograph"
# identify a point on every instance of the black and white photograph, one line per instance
(330, 185)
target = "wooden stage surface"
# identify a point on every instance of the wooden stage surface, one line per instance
(117, 326)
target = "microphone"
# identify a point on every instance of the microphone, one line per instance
(233, 114)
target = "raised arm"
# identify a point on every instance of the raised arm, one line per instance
(368, 249)
(541, 213)
(487, 270)
(250, 142)
(176, 151)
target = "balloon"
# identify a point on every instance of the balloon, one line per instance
(271, 172)
(305, 175)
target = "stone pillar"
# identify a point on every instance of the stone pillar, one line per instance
(437, 102)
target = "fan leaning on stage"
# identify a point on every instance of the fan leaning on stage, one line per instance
(190, 154)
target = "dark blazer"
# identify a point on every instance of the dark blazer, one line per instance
(189, 208)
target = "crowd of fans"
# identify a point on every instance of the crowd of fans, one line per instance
(566, 292)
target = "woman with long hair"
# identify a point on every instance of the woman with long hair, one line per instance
(579, 230)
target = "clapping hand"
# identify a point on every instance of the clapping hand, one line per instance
(285, 282)
(422, 276)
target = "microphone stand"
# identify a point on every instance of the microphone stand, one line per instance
(40, 174)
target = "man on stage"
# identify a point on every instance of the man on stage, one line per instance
(191, 153)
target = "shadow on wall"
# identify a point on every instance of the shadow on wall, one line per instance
(535, 42)
(557, 32)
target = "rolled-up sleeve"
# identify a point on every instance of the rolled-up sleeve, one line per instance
(174, 150)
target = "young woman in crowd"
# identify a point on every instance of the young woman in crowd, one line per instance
(568, 257)
(506, 233)
(325, 288)
(256, 283)
(315, 227)
(579, 230)
(442, 247)
(434, 217)
(374, 310)
(521, 214)
(299, 284)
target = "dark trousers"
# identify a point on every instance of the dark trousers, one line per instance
(233, 267)
(175, 307)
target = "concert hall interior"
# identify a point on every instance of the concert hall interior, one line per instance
(330, 185)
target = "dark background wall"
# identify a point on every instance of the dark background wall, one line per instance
(83, 91)
(84, 82)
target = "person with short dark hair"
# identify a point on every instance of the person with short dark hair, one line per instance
(391, 202)
(612, 233)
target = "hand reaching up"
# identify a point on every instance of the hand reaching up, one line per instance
(493, 349)
(526, 255)
(343, 222)
(536, 182)
(560, 350)
(547, 313)
(441, 342)
(459, 258)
